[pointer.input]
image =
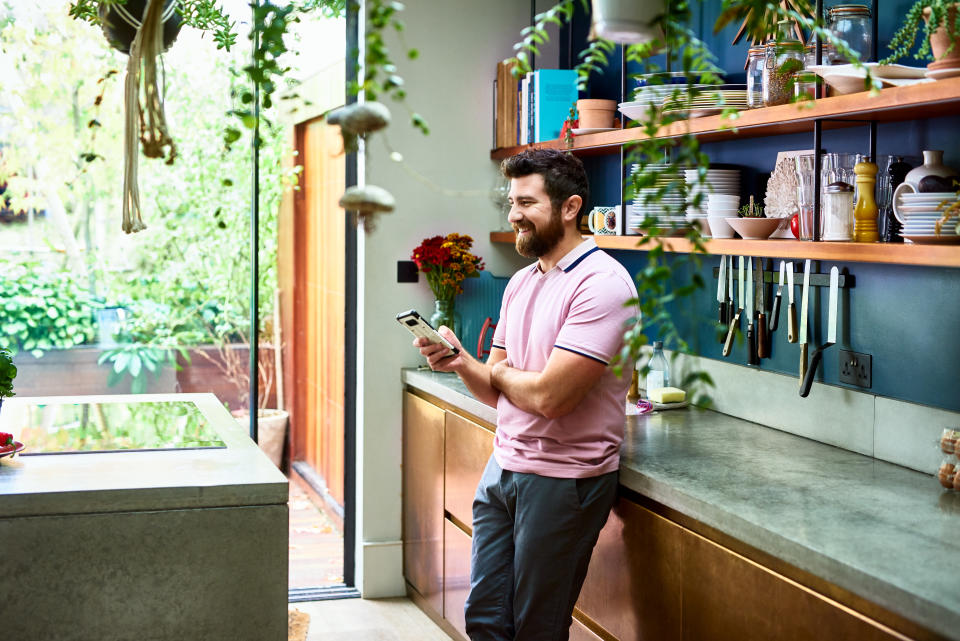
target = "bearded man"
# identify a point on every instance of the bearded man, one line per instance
(549, 486)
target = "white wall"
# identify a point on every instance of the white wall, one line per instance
(460, 43)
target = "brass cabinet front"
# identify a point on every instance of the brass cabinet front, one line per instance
(727, 597)
(633, 586)
(456, 572)
(580, 632)
(467, 448)
(423, 498)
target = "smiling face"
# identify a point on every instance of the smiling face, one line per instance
(538, 225)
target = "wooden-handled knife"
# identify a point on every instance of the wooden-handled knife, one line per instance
(831, 332)
(791, 308)
(804, 299)
(735, 321)
(722, 293)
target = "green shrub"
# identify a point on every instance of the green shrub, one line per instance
(42, 308)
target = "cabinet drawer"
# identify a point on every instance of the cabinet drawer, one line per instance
(633, 588)
(456, 568)
(423, 498)
(467, 446)
(727, 597)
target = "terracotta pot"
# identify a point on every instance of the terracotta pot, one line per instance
(596, 114)
(271, 431)
(940, 42)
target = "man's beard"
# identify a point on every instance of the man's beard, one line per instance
(539, 242)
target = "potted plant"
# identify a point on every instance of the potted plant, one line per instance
(941, 28)
(8, 372)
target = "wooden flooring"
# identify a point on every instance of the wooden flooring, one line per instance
(316, 544)
(369, 620)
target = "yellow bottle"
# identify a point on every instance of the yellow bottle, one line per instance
(865, 213)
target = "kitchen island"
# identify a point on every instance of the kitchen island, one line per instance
(728, 529)
(162, 544)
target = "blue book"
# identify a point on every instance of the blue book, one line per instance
(555, 91)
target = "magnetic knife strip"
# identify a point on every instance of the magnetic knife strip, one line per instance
(847, 281)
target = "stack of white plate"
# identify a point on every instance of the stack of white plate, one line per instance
(667, 211)
(708, 101)
(718, 181)
(655, 94)
(919, 214)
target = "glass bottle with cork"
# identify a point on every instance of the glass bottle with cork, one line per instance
(658, 370)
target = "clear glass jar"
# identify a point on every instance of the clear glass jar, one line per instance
(851, 22)
(804, 86)
(755, 61)
(827, 54)
(783, 58)
(838, 212)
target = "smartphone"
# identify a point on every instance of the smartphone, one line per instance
(422, 329)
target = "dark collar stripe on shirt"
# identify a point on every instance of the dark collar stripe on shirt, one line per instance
(579, 260)
(593, 358)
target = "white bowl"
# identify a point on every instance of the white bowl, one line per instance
(754, 228)
(719, 228)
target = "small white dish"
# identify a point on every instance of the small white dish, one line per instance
(940, 74)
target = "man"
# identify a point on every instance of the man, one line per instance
(549, 486)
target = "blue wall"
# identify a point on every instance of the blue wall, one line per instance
(906, 318)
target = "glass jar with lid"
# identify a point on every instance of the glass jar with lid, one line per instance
(827, 54)
(851, 22)
(804, 86)
(782, 58)
(838, 212)
(755, 61)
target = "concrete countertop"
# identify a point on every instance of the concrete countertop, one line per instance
(81, 483)
(879, 530)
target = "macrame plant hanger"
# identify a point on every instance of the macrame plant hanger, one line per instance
(147, 45)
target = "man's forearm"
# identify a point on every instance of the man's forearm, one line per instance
(476, 376)
(520, 386)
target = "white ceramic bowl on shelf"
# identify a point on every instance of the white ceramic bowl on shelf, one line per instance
(754, 228)
(719, 228)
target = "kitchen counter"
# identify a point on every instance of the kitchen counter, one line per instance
(883, 532)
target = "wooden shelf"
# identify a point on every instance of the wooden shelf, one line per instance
(888, 253)
(927, 100)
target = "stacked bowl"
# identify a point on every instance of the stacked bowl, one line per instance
(920, 212)
(719, 207)
(719, 182)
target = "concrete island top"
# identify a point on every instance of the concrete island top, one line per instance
(886, 533)
(82, 483)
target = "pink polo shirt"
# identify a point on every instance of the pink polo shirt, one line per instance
(577, 306)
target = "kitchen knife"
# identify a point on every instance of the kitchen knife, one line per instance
(731, 310)
(831, 332)
(751, 312)
(804, 299)
(735, 321)
(763, 336)
(775, 312)
(791, 308)
(722, 292)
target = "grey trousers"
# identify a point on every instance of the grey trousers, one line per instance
(532, 540)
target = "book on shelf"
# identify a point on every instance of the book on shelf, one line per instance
(533, 107)
(555, 91)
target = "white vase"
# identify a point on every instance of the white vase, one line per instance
(626, 20)
(932, 166)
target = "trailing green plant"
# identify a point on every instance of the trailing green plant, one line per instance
(204, 15)
(905, 37)
(43, 307)
(8, 372)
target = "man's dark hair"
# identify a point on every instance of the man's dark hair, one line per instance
(563, 173)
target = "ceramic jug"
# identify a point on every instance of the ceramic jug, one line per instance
(932, 166)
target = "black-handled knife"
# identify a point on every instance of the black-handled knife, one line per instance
(775, 312)
(831, 333)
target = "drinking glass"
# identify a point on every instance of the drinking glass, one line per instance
(805, 177)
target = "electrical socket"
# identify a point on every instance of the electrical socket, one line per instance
(856, 369)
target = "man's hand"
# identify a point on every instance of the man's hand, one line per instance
(437, 355)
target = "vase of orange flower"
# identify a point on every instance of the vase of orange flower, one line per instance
(446, 261)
